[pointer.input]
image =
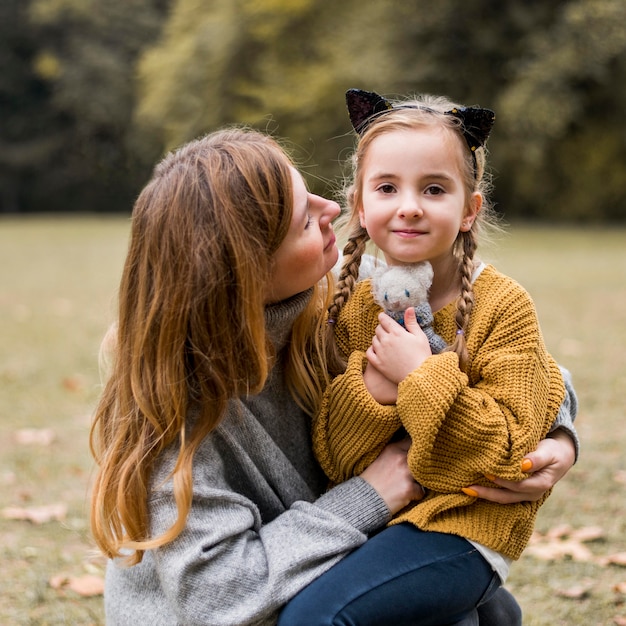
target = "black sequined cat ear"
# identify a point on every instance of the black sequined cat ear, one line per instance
(363, 105)
(477, 124)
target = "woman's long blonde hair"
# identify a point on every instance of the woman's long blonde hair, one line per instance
(425, 111)
(191, 329)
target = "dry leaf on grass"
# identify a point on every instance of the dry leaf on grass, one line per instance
(557, 532)
(620, 588)
(36, 436)
(620, 620)
(73, 383)
(87, 585)
(564, 541)
(36, 514)
(576, 592)
(619, 558)
(554, 550)
(587, 533)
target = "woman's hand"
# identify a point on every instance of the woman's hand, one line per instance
(389, 474)
(552, 459)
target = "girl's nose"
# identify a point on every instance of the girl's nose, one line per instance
(410, 207)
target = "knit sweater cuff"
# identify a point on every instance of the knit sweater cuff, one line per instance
(567, 412)
(358, 503)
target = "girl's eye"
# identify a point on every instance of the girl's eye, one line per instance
(386, 188)
(434, 190)
(309, 221)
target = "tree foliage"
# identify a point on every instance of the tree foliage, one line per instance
(93, 92)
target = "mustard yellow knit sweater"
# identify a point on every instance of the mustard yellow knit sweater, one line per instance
(462, 426)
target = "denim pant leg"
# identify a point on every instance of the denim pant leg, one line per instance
(400, 577)
(502, 608)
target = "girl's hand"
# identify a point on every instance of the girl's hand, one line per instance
(396, 351)
(379, 386)
(389, 474)
(552, 459)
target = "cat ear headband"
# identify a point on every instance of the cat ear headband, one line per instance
(365, 106)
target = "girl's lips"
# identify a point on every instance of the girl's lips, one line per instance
(330, 243)
(408, 233)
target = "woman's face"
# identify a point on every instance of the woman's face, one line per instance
(309, 251)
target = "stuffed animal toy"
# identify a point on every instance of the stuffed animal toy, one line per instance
(398, 287)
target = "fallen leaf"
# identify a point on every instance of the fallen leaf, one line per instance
(36, 514)
(556, 550)
(562, 530)
(58, 581)
(87, 585)
(73, 383)
(620, 588)
(576, 592)
(618, 558)
(587, 533)
(40, 437)
(620, 620)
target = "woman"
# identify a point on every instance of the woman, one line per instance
(207, 497)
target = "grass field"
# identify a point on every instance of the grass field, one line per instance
(57, 284)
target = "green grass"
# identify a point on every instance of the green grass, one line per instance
(57, 284)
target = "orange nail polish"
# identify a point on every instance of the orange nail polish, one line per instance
(490, 477)
(470, 492)
(527, 465)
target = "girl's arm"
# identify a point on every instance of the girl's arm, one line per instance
(351, 428)
(552, 459)
(464, 427)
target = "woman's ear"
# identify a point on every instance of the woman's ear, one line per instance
(472, 211)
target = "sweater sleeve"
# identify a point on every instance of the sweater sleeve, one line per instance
(230, 566)
(465, 426)
(568, 411)
(351, 428)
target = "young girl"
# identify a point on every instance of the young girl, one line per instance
(208, 499)
(474, 410)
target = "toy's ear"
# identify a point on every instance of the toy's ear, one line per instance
(362, 105)
(379, 284)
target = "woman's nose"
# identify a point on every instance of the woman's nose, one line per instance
(329, 210)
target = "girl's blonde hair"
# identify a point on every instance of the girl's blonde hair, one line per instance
(421, 112)
(191, 330)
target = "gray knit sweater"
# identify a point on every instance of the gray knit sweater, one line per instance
(258, 530)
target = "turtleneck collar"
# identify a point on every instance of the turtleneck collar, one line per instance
(280, 317)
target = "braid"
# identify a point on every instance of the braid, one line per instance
(465, 302)
(352, 252)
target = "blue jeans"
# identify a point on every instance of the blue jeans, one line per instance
(400, 577)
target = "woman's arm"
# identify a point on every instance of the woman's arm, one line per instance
(552, 459)
(234, 563)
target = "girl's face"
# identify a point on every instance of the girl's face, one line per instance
(308, 252)
(414, 202)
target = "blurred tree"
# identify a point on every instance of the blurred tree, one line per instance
(29, 137)
(92, 93)
(279, 65)
(81, 59)
(563, 115)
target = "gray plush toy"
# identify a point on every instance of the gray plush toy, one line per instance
(397, 287)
